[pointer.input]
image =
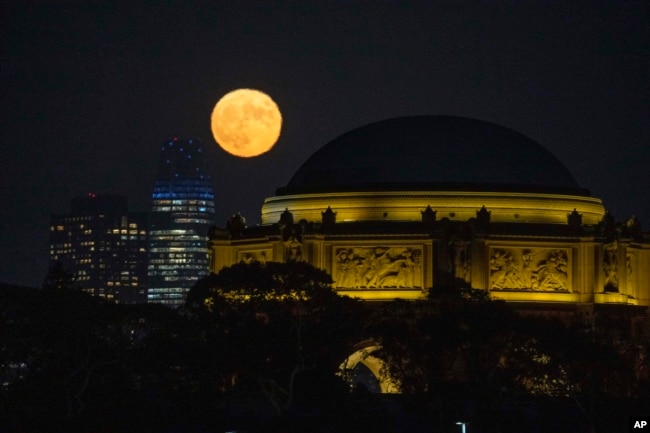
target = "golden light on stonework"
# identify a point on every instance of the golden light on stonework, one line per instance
(407, 206)
(246, 122)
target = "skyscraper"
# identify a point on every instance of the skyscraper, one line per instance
(181, 213)
(104, 246)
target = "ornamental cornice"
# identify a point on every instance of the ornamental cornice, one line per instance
(445, 199)
(457, 205)
(419, 194)
(376, 236)
(488, 239)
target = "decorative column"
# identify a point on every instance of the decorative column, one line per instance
(479, 278)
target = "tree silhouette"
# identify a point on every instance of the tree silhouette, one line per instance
(59, 279)
(283, 327)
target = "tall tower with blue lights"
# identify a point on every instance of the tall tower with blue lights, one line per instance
(182, 212)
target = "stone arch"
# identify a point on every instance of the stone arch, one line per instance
(362, 367)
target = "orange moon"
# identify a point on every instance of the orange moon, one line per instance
(246, 122)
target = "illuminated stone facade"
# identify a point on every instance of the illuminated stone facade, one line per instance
(397, 207)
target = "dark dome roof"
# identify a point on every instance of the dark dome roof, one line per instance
(432, 152)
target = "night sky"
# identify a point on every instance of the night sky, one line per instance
(90, 89)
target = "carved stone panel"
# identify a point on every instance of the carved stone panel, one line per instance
(378, 267)
(261, 256)
(630, 264)
(630, 274)
(293, 248)
(529, 269)
(610, 267)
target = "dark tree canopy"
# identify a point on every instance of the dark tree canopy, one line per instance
(276, 334)
(283, 328)
(257, 282)
(59, 278)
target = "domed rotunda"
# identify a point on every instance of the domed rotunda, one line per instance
(397, 207)
(392, 170)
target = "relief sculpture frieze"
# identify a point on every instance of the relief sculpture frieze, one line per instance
(529, 269)
(261, 256)
(378, 267)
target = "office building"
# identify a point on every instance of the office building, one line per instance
(182, 212)
(104, 246)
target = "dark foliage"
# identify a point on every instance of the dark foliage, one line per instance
(281, 328)
(268, 340)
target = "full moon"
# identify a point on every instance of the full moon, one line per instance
(246, 122)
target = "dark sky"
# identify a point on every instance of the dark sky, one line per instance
(90, 89)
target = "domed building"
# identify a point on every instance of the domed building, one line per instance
(397, 207)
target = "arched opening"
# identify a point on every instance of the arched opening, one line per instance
(363, 369)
